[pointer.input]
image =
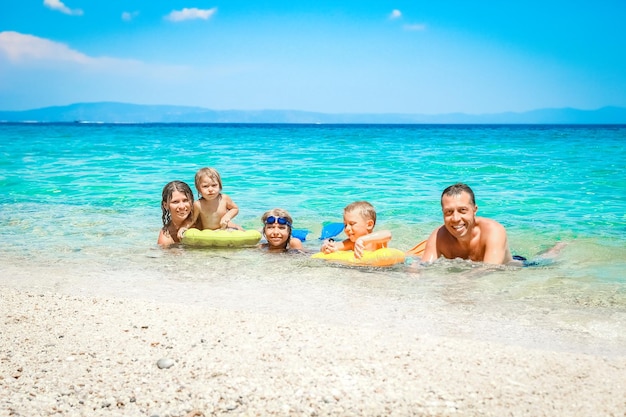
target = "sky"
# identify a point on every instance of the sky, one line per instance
(330, 56)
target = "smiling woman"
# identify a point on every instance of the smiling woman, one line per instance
(176, 203)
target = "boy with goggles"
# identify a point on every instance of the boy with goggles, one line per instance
(277, 231)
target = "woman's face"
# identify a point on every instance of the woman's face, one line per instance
(179, 206)
(277, 235)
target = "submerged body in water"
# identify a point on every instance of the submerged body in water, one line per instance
(82, 209)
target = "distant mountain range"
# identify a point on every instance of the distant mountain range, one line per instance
(110, 112)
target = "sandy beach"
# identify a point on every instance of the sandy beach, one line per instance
(88, 356)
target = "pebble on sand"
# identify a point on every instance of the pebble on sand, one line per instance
(165, 363)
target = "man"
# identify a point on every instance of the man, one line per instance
(465, 236)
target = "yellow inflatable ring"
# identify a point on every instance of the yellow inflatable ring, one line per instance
(380, 257)
(221, 238)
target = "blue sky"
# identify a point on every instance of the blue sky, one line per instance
(329, 56)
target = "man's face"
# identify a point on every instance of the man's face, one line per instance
(459, 214)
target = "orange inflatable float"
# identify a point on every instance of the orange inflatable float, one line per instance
(379, 257)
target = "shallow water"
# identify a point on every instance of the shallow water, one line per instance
(81, 215)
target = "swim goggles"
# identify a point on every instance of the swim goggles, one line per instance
(280, 220)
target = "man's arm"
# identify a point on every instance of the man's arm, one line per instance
(431, 254)
(496, 244)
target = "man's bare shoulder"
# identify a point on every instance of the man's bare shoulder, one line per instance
(488, 224)
(491, 232)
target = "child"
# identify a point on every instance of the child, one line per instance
(359, 219)
(277, 227)
(176, 204)
(213, 210)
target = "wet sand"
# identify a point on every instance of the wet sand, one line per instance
(84, 355)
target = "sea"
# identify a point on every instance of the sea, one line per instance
(81, 215)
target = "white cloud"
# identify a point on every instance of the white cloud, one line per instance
(28, 51)
(59, 6)
(35, 71)
(395, 14)
(189, 14)
(31, 51)
(18, 47)
(128, 16)
(417, 27)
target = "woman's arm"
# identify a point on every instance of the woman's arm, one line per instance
(164, 239)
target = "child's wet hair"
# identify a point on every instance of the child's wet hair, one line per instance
(208, 172)
(364, 208)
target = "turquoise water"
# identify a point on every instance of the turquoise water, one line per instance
(81, 214)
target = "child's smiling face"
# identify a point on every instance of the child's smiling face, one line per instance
(277, 235)
(356, 225)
